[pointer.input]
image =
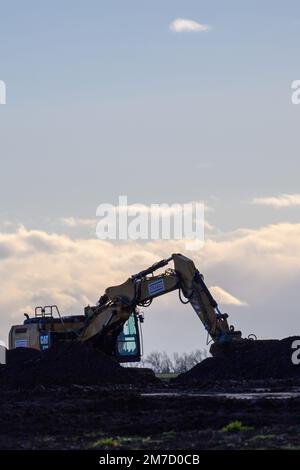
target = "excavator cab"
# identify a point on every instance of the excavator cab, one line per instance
(128, 346)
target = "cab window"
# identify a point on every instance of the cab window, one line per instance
(127, 341)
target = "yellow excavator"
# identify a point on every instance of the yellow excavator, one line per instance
(114, 324)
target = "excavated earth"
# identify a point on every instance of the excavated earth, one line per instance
(255, 360)
(67, 364)
(74, 397)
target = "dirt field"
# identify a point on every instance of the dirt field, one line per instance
(115, 408)
(83, 417)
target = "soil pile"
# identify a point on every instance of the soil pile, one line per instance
(66, 364)
(252, 360)
(14, 356)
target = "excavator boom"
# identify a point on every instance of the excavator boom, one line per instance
(113, 324)
(140, 289)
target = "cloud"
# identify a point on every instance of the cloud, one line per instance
(73, 222)
(278, 202)
(154, 210)
(208, 226)
(225, 298)
(181, 25)
(23, 243)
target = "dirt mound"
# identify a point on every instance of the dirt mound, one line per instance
(14, 356)
(66, 364)
(250, 360)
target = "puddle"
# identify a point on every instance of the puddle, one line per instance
(236, 396)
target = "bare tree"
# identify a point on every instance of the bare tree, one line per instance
(177, 363)
(153, 360)
(166, 364)
(160, 362)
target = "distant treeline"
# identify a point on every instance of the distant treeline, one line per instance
(163, 363)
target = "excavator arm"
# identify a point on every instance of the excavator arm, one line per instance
(104, 321)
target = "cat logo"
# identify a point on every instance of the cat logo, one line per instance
(44, 342)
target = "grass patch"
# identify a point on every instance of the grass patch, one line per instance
(236, 426)
(169, 434)
(121, 442)
(106, 442)
(263, 437)
(290, 446)
(166, 376)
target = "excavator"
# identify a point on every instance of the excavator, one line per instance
(113, 325)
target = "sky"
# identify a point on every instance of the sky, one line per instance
(109, 98)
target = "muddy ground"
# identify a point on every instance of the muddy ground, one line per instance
(95, 417)
(212, 407)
